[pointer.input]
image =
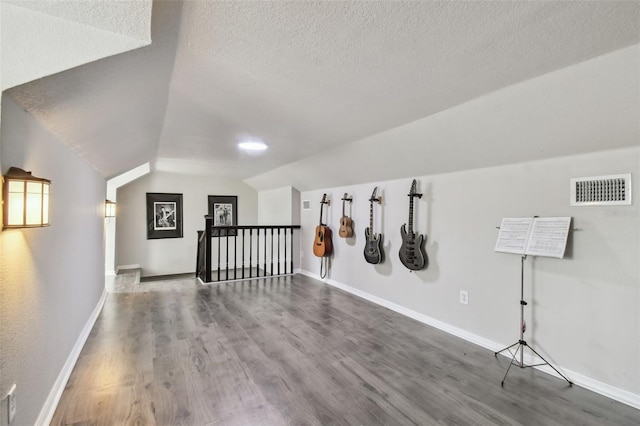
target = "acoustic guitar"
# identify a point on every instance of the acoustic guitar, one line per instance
(322, 245)
(346, 224)
(412, 254)
(373, 242)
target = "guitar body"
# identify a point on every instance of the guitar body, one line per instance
(346, 227)
(322, 245)
(412, 254)
(373, 247)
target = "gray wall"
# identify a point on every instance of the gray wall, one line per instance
(583, 312)
(51, 279)
(584, 108)
(585, 309)
(173, 255)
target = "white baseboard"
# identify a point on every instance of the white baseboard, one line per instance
(121, 267)
(578, 379)
(51, 403)
(605, 389)
(109, 273)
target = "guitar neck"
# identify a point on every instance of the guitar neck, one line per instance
(321, 206)
(371, 217)
(410, 224)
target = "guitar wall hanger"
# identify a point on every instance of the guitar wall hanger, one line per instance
(349, 199)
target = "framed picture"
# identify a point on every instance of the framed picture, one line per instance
(224, 210)
(164, 215)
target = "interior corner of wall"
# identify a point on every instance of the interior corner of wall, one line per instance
(1, 182)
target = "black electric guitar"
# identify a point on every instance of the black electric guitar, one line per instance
(412, 253)
(322, 245)
(373, 242)
(346, 224)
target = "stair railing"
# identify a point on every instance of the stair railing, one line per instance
(228, 253)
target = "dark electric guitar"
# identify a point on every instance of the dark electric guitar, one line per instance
(373, 242)
(346, 224)
(412, 253)
(322, 245)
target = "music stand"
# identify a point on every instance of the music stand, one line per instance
(546, 236)
(522, 344)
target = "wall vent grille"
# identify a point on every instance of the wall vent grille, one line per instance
(601, 190)
(306, 205)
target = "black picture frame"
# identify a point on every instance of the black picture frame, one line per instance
(224, 210)
(164, 215)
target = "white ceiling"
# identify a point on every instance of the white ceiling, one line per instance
(305, 77)
(40, 38)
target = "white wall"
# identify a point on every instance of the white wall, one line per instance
(51, 279)
(110, 226)
(275, 206)
(281, 206)
(584, 310)
(173, 255)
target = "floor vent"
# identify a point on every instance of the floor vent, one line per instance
(612, 190)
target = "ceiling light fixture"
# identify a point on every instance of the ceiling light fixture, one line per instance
(252, 146)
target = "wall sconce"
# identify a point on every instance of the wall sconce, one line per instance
(26, 200)
(109, 209)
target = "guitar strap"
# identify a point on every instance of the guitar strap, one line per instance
(324, 265)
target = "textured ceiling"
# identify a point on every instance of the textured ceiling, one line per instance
(305, 77)
(127, 18)
(40, 38)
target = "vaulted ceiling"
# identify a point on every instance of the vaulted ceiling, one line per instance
(304, 76)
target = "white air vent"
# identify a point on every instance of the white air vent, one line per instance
(612, 190)
(306, 205)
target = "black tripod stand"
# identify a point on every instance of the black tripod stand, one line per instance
(521, 344)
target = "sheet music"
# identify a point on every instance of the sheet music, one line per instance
(537, 236)
(514, 234)
(549, 236)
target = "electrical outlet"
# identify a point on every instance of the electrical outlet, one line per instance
(11, 403)
(464, 297)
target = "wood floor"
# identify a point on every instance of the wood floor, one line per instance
(295, 351)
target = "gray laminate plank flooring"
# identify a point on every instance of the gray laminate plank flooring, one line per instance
(294, 351)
